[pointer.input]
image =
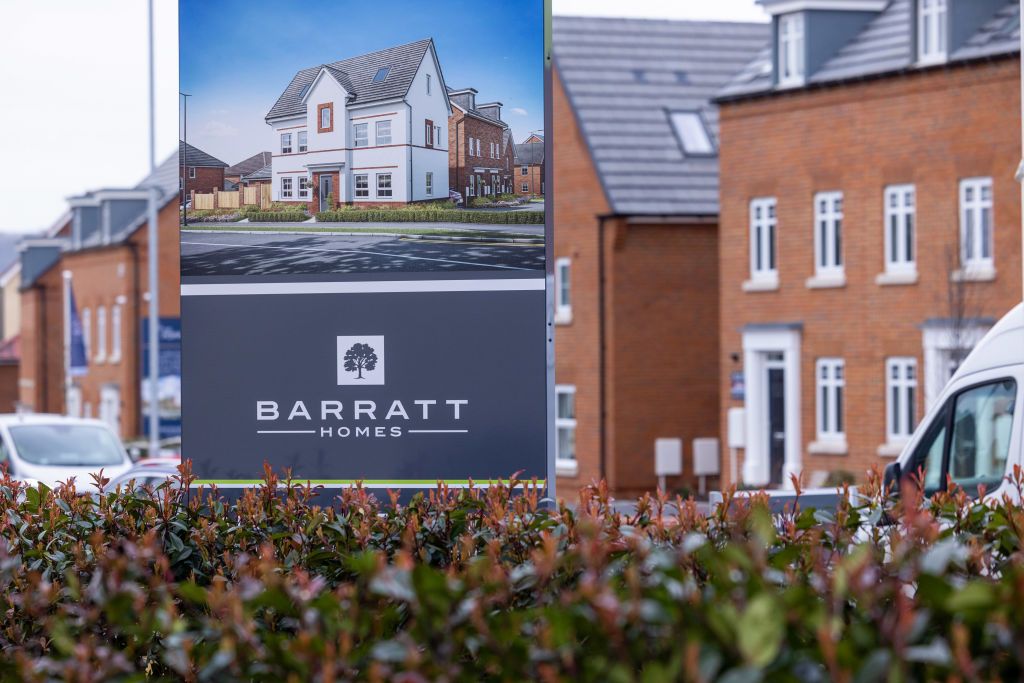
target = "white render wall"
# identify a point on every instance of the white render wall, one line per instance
(406, 158)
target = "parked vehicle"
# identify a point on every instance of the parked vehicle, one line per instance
(973, 431)
(147, 472)
(54, 448)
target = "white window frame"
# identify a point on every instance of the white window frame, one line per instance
(191, 172)
(899, 430)
(101, 334)
(932, 31)
(830, 399)
(360, 134)
(693, 135)
(87, 330)
(828, 235)
(304, 187)
(382, 137)
(791, 58)
(286, 143)
(115, 333)
(975, 212)
(565, 466)
(287, 188)
(900, 217)
(524, 170)
(357, 191)
(563, 290)
(524, 187)
(302, 140)
(428, 84)
(389, 191)
(764, 240)
(429, 184)
(328, 114)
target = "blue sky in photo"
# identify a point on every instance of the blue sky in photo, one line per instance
(237, 56)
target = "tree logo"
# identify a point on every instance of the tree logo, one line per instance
(361, 360)
(360, 357)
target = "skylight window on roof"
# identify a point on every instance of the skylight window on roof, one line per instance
(382, 73)
(692, 133)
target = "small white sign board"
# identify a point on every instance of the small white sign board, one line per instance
(705, 457)
(668, 457)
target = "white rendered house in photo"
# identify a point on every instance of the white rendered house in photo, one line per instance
(369, 129)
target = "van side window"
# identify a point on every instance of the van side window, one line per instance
(982, 421)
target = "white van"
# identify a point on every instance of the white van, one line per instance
(973, 431)
(53, 448)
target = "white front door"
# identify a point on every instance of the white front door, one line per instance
(110, 407)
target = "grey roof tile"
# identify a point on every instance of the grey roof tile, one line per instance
(624, 76)
(531, 154)
(262, 173)
(356, 76)
(193, 156)
(884, 45)
(253, 163)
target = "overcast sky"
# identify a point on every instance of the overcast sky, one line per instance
(77, 72)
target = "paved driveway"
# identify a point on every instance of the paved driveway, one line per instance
(256, 254)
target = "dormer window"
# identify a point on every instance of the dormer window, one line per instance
(931, 31)
(692, 133)
(791, 49)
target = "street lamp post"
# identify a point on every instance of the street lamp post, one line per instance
(154, 274)
(182, 166)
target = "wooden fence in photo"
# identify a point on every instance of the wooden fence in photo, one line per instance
(256, 195)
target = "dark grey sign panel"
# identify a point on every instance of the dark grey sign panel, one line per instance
(402, 387)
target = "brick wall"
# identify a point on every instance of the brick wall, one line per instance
(533, 179)
(460, 162)
(931, 129)
(205, 181)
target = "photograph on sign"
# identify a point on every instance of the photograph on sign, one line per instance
(363, 241)
(346, 144)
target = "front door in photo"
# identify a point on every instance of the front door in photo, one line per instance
(776, 417)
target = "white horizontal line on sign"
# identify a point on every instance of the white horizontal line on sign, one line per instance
(286, 431)
(366, 287)
(437, 431)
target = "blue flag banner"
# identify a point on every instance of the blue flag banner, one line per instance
(79, 363)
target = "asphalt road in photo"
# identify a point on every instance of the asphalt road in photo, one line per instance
(256, 254)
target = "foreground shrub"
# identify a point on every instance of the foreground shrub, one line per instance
(483, 584)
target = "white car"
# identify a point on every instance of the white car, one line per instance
(54, 448)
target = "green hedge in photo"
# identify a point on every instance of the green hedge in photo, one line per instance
(431, 216)
(485, 585)
(276, 217)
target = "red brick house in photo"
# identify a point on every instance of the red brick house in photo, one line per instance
(476, 146)
(261, 176)
(198, 171)
(234, 173)
(870, 224)
(529, 176)
(636, 272)
(104, 251)
(533, 137)
(508, 160)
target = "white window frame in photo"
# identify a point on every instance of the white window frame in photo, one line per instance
(524, 187)
(429, 184)
(287, 187)
(932, 31)
(286, 143)
(382, 138)
(900, 217)
(115, 333)
(829, 270)
(830, 383)
(304, 187)
(524, 170)
(791, 47)
(972, 211)
(358, 128)
(302, 141)
(563, 290)
(566, 467)
(428, 84)
(898, 434)
(390, 188)
(327, 112)
(356, 190)
(764, 239)
(87, 329)
(101, 334)
(191, 172)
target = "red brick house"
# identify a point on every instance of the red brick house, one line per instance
(508, 161)
(636, 338)
(234, 173)
(870, 224)
(198, 171)
(529, 176)
(477, 160)
(104, 251)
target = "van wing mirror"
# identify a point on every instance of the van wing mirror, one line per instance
(891, 478)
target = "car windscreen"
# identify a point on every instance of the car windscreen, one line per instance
(66, 445)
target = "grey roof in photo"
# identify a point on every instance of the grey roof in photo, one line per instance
(356, 76)
(193, 156)
(884, 45)
(259, 174)
(253, 163)
(624, 77)
(530, 153)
